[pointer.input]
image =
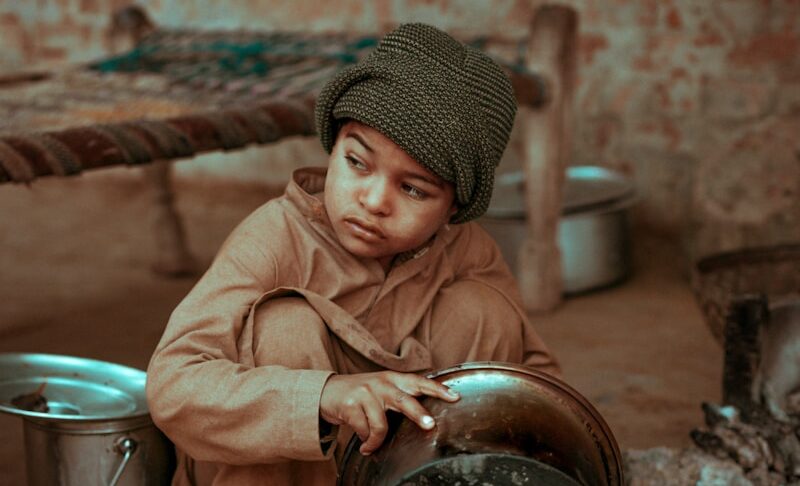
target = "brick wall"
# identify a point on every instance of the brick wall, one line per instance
(697, 101)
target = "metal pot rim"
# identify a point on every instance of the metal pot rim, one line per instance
(575, 406)
(551, 380)
(77, 389)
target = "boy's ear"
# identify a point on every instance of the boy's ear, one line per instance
(453, 210)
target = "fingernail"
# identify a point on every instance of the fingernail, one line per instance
(427, 421)
(453, 393)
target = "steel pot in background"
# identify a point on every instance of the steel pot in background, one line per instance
(593, 233)
(96, 431)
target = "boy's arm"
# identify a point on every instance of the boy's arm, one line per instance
(210, 405)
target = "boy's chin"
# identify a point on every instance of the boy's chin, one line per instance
(363, 250)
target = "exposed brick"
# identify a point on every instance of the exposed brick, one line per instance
(788, 97)
(753, 176)
(10, 20)
(623, 96)
(708, 36)
(678, 73)
(657, 133)
(16, 41)
(771, 47)
(51, 54)
(520, 9)
(600, 135)
(648, 13)
(90, 6)
(730, 99)
(674, 20)
(673, 94)
(741, 19)
(597, 141)
(590, 44)
(644, 63)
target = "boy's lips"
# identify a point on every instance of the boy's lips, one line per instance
(364, 229)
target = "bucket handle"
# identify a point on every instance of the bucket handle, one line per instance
(125, 446)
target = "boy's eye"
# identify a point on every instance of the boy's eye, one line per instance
(414, 192)
(355, 163)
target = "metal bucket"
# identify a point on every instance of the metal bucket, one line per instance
(95, 430)
(593, 232)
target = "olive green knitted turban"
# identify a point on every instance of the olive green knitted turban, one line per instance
(449, 106)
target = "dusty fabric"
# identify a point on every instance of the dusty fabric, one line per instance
(232, 382)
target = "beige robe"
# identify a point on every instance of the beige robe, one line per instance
(236, 380)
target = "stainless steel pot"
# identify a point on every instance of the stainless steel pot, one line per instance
(593, 232)
(512, 425)
(108, 452)
(95, 430)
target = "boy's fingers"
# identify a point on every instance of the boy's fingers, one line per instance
(426, 386)
(378, 427)
(436, 389)
(410, 407)
(359, 423)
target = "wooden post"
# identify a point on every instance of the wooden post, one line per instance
(546, 133)
(173, 257)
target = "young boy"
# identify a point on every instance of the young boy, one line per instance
(325, 306)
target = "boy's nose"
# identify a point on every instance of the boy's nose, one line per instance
(375, 197)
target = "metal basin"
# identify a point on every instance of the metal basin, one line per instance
(593, 232)
(512, 425)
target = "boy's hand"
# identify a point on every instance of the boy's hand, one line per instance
(361, 401)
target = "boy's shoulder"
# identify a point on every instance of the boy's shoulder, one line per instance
(469, 244)
(272, 212)
(265, 225)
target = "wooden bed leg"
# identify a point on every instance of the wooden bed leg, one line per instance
(173, 258)
(546, 147)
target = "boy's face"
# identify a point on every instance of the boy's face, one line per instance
(380, 201)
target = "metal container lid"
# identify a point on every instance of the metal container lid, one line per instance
(586, 188)
(72, 389)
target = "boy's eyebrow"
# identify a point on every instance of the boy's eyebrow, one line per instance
(360, 139)
(430, 180)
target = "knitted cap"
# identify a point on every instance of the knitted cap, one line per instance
(447, 105)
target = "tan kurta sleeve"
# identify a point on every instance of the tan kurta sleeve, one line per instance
(479, 259)
(204, 395)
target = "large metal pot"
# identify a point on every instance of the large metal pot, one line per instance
(90, 425)
(512, 425)
(593, 232)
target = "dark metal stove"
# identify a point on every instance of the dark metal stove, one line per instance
(752, 303)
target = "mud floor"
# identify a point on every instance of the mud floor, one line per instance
(75, 279)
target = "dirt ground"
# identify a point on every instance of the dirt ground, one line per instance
(75, 279)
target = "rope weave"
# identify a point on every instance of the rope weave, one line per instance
(15, 166)
(134, 149)
(177, 93)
